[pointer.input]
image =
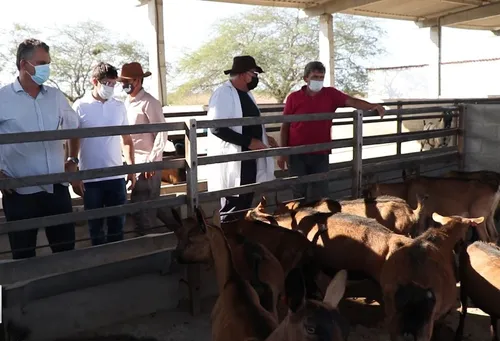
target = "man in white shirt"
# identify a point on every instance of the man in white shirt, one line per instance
(28, 105)
(100, 109)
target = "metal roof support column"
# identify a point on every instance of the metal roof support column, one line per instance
(157, 61)
(435, 61)
(326, 50)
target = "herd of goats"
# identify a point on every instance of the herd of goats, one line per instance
(271, 265)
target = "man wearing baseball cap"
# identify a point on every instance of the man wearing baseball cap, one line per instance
(143, 108)
(234, 100)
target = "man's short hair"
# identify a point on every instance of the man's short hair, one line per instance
(27, 48)
(104, 70)
(314, 66)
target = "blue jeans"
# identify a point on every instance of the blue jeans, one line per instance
(306, 164)
(101, 194)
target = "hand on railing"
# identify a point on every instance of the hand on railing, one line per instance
(283, 161)
(272, 142)
(380, 110)
(256, 144)
(4, 176)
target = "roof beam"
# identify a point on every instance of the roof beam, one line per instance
(481, 12)
(464, 2)
(334, 6)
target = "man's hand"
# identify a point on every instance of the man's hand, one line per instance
(78, 187)
(131, 178)
(283, 161)
(380, 109)
(148, 175)
(256, 144)
(4, 176)
(272, 142)
(70, 166)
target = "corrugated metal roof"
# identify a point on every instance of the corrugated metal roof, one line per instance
(471, 14)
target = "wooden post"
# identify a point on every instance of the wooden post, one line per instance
(357, 153)
(192, 271)
(461, 136)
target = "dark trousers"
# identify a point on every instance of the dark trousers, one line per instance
(243, 201)
(101, 194)
(306, 164)
(144, 190)
(25, 206)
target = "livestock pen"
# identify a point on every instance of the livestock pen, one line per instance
(60, 295)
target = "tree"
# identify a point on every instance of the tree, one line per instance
(282, 44)
(74, 50)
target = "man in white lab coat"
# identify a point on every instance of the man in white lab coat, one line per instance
(234, 100)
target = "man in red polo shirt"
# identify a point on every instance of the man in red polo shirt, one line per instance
(311, 99)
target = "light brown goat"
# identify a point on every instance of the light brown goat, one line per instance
(252, 261)
(480, 280)
(237, 314)
(391, 212)
(418, 280)
(449, 196)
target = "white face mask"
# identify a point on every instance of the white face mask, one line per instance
(315, 86)
(105, 92)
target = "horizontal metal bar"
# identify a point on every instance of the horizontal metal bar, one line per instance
(271, 152)
(410, 156)
(65, 134)
(411, 111)
(404, 137)
(32, 223)
(246, 121)
(59, 283)
(55, 178)
(426, 117)
(12, 271)
(278, 184)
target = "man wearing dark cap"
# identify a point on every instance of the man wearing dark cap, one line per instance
(234, 100)
(143, 108)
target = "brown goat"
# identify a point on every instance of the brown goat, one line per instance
(418, 280)
(365, 239)
(237, 314)
(480, 280)
(449, 196)
(253, 262)
(391, 212)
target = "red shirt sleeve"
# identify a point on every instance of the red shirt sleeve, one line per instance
(289, 110)
(338, 97)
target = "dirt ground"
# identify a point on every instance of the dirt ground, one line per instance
(366, 325)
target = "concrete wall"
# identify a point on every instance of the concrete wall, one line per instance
(482, 137)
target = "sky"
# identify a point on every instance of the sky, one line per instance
(188, 22)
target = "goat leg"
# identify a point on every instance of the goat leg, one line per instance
(494, 328)
(463, 313)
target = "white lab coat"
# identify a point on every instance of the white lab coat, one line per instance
(225, 103)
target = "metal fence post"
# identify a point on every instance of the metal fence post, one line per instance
(461, 136)
(192, 271)
(399, 128)
(357, 153)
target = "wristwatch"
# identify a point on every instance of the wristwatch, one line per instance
(73, 159)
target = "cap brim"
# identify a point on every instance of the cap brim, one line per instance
(121, 78)
(227, 72)
(259, 69)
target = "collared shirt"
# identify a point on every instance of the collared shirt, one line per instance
(19, 112)
(143, 109)
(102, 151)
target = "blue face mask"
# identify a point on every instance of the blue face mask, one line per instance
(42, 73)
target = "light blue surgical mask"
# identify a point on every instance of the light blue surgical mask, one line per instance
(42, 73)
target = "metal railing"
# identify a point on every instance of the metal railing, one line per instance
(61, 263)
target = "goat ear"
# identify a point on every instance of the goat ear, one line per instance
(200, 218)
(176, 216)
(440, 219)
(295, 289)
(475, 221)
(336, 289)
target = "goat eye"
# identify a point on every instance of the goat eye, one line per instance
(310, 330)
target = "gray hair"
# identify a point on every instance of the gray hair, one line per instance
(27, 48)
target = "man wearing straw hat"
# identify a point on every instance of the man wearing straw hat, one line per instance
(234, 100)
(143, 108)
